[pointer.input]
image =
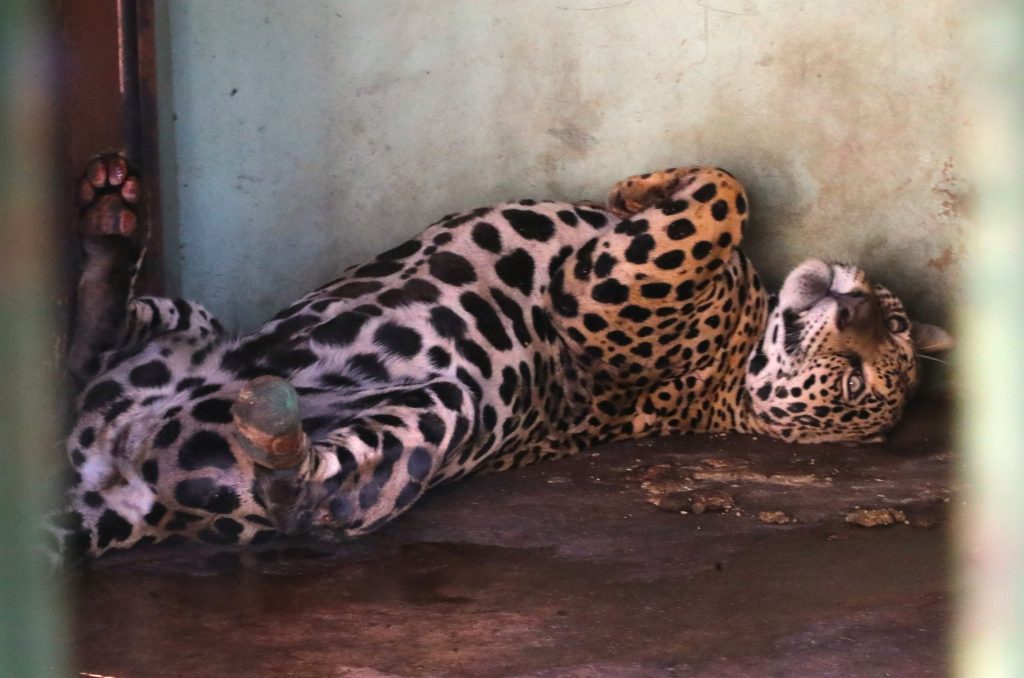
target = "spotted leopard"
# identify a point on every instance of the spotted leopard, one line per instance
(495, 338)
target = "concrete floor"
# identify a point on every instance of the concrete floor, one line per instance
(566, 568)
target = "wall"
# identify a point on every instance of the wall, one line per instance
(302, 137)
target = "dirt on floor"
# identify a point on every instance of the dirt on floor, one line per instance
(719, 555)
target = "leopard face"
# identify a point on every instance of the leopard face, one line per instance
(839, 357)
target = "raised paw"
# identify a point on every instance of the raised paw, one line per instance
(639, 192)
(266, 415)
(107, 195)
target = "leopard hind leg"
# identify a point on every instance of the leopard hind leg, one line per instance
(382, 450)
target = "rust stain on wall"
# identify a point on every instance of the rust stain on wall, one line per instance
(956, 197)
(944, 260)
(575, 139)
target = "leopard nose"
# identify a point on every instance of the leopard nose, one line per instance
(855, 308)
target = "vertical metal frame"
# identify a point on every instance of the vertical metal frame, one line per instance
(990, 534)
(32, 642)
(110, 102)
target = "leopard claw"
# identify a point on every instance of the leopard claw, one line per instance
(266, 416)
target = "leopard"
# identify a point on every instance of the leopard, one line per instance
(497, 337)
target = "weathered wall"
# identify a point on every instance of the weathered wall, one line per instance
(307, 136)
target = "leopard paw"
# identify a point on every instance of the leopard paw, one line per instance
(107, 196)
(639, 192)
(266, 415)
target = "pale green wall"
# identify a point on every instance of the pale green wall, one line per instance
(309, 135)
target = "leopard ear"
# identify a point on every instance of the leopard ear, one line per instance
(930, 338)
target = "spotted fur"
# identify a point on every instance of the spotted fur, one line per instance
(495, 338)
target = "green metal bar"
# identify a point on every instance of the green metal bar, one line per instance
(31, 638)
(990, 636)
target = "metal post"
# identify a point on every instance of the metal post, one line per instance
(990, 637)
(31, 639)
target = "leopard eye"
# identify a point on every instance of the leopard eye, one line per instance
(854, 384)
(897, 324)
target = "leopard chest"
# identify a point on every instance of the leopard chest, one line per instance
(693, 378)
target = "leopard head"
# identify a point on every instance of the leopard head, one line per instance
(839, 358)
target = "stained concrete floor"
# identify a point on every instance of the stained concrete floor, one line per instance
(566, 568)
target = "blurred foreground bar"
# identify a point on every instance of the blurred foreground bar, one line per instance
(31, 638)
(990, 638)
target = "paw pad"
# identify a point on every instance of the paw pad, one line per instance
(107, 194)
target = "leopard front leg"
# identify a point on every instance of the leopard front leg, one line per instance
(640, 191)
(628, 296)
